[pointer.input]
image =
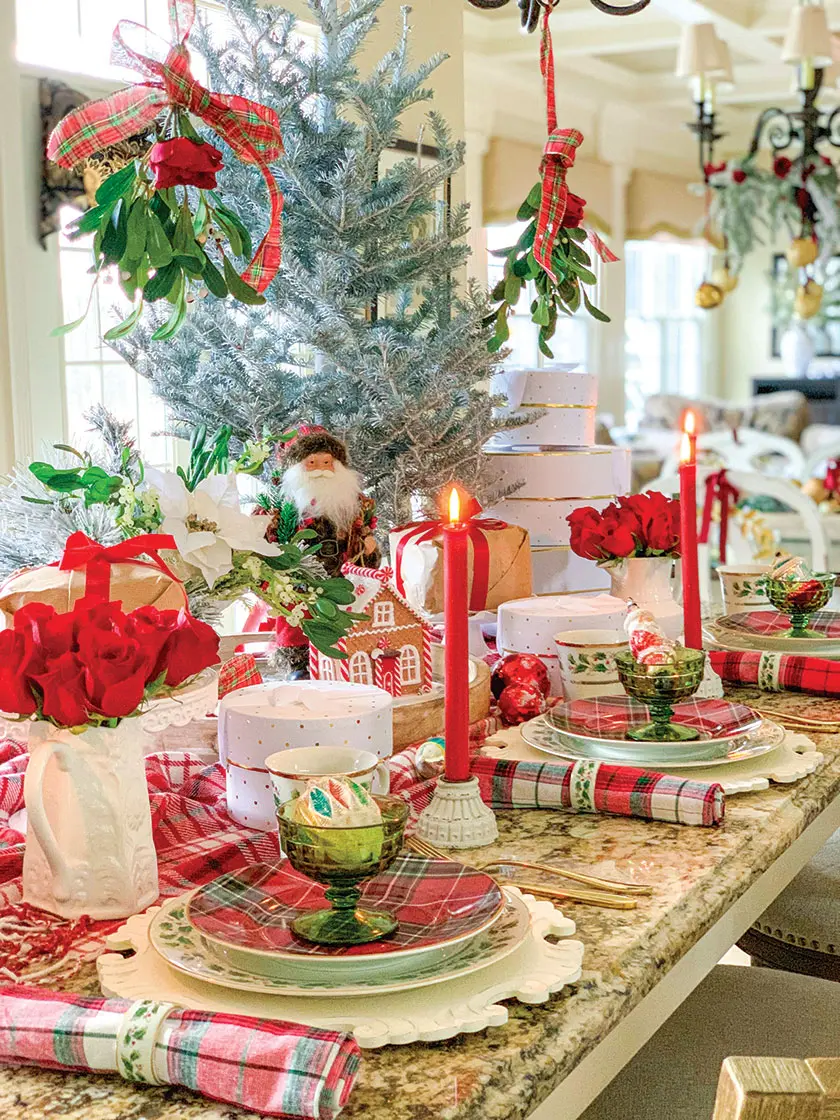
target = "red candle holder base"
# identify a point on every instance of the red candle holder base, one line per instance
(457, 817)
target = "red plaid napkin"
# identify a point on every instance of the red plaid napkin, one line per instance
(240, 672)
(778, 672)
(597, 787)
(275, 1068)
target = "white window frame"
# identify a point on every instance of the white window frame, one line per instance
(383, 614)
(410, 662)
(360, 658)
(326, 668)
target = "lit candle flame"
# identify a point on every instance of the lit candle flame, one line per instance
(685, 448)
(454, 506)
(689, 423)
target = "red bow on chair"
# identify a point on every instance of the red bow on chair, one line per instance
(252, 130)
(558, 157)
(718, 488)
(832, 476)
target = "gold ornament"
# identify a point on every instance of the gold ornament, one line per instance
(708, 296)
(801, 252)
(725, 280)
(815, 490)
(806, 302)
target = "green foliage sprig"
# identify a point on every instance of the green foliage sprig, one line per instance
(572, 266)
(158, 245)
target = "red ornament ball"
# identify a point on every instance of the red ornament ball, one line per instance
(519, 668)
(520, 702)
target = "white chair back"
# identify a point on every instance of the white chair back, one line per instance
(757, 485)
(745, 453)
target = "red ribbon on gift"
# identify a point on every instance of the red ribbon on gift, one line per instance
(252, 130)
(558, 157)
(718, 488)
(420, 531)
(82, 552)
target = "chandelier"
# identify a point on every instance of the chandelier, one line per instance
(705, 60)
(530, 9)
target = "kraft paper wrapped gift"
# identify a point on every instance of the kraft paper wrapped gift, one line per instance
(131, 572)
(499, 558)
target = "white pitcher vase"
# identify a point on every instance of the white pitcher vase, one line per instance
(647, 581)
(89, 847)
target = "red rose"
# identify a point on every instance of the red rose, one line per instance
(152, 628)
(15, 662)
(738, 176)
(191, 647)
(181, 162)
(782, 166)
(575, 206)
(65, 701)
(116, 671)
(619, 540)
(586, 539)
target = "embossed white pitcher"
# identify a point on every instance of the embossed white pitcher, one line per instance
(89, 847)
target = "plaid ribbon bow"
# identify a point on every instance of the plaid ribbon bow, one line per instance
(558, 156)
(718, 486)
(250, 129)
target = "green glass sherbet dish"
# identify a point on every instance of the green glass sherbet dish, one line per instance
(799, 599)
(660, 687)
(342, 857)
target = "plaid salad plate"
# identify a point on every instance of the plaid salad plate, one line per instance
(598, 728)
(173, 937)
(766, 630)
(438, 903)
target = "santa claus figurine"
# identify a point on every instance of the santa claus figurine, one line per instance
(328, 497)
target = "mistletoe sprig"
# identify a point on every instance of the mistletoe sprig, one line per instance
(572, 266)
(158, 244)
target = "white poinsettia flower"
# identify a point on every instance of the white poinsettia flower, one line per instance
(207, 523)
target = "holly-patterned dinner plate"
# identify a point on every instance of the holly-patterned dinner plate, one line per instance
(766, 630)
(174, 938)
(245, 917)
(599, 727)
(767, 737)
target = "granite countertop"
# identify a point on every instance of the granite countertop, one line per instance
(504, 1073)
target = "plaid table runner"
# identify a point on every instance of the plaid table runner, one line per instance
(778, 672)
(275, 1068)
(598, 787)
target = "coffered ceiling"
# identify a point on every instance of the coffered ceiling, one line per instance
(616, 80)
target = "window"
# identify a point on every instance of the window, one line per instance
(383, 614)
(409, 665)
(326, 668)
(360, 668)
(93, 372)
(571, 339)
(665, 329)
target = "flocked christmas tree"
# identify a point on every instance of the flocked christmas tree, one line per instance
(366, 329)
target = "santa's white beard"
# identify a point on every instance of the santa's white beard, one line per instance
(332, 494)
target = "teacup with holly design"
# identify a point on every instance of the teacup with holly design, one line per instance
(743, 587)
(587, 662)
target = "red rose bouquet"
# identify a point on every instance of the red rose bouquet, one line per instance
(95, 665)
(641, 525)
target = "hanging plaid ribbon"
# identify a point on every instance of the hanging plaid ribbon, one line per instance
(720, 489)
(558, 157)
(250, 129)
(82, 552)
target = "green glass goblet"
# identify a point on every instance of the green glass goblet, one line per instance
(799, 599)
(660, 687)
(342, 858)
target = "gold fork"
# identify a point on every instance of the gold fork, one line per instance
(800, 723)
(608, 898)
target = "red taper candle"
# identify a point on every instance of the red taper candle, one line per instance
(456, 645)
(688, 544)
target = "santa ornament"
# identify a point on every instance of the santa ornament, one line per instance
(327, 494)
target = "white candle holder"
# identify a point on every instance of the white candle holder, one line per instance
(457, 817)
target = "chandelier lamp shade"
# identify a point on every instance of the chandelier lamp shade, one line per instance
(704, 60)
(807, 44)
